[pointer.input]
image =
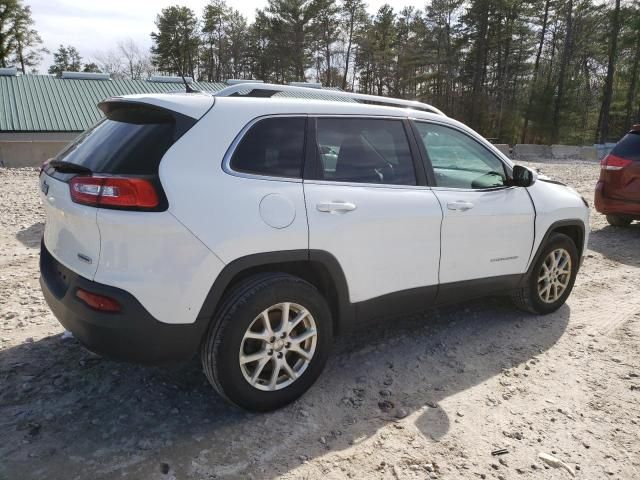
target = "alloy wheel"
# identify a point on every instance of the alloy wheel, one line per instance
(278, 346)
(554, 275)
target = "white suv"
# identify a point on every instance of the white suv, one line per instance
(254, 228)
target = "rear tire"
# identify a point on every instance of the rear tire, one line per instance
(619, 220)
(551, 279)
(260, 367)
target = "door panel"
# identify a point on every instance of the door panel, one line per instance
(485, 233)
(487, 227)
(387, 239)
(365, 207)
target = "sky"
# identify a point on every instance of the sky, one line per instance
(95, 26)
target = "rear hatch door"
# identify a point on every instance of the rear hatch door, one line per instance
(624, 184)
(71, 230)
(128, 143)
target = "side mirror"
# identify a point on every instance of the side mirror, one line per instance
(522, 177)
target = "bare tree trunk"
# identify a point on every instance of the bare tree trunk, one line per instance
(566, 55)
(348, 54)
(449, 87)
(603, 124)
(479, 65)
(327, 56)
(633, 85)
(20, 53)
(353, 79)
(536, 68)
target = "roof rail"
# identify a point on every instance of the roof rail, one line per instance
(236, 81)
(266, 90)
(169, 79)
(317, 85)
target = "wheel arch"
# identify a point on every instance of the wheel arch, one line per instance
(317, 267)
(573, 228)
(575, 231)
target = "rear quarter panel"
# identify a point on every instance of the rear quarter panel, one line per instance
(156, 259)
(221, 209)
(624, 184)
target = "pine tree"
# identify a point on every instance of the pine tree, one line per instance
(66, 59)
(28, 48)
(8, 11)
(176, 43)
(290, 27)
(214, 25)
(354, 15)
(325, 32)
(603, 121)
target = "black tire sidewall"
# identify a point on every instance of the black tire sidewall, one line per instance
(556, 241)
(228, 373)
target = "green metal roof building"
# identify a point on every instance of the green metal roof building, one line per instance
(39, 114)
(42, 103)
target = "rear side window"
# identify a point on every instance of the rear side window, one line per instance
(628, 148)
(364, 150)
(130, 140)
(273, 147)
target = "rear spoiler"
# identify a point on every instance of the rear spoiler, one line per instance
(194, 105)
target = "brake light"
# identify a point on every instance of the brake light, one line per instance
(113, 192)
(613, 163)
(98, 302)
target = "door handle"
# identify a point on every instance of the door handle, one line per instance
(335, 207)
(460, 206)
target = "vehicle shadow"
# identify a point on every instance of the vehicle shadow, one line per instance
(30, 237)
(65, 412)
(620, 244)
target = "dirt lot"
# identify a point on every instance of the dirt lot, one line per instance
(427, 397)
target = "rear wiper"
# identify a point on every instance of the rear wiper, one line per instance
(68, 167)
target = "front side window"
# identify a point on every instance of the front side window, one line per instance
(273, 147)
(458, 160)
(364, 150)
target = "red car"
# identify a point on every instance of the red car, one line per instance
(618, 189)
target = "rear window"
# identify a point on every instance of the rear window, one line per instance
(273, 147)
(130, 140)
(628, 147)
(365, 150)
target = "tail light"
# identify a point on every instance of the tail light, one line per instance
(98, 302)
(613, 163)
(118, 192)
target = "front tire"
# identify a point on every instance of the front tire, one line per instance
(551, 279)
(268, 342)
(619, 220)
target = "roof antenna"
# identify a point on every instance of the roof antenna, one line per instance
(187, 87)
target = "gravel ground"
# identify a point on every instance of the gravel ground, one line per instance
(427, 397)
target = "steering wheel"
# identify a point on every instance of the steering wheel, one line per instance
(388, 167)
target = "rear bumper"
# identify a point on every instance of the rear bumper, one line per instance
(611, 206)
(132, 334)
